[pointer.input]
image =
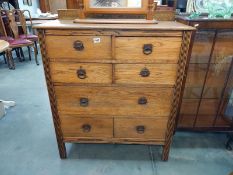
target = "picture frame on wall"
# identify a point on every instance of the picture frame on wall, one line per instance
(25, 2)
(29, 2)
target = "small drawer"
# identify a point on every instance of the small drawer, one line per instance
(160, 74)
(117, 101)
(146, 128)
(148, 49)
(79, 47)
(65, 72)
(73, 126)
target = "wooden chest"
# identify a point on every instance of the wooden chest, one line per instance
(115, 83)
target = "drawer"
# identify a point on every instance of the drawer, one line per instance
(73, 126)
(160, 74)
(146, 128)
(65, 72)
(79, 47)
(122, 101)
(148, 49)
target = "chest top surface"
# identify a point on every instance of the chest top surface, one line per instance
(161, 26)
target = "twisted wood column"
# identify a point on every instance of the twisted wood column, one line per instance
(52, 96)
(183, 63)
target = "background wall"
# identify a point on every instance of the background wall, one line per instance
(32, 9)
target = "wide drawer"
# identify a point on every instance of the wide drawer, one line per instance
(73, 126)
(65, 72)
(159, 74)
(79, 47)
(148, 49)
(146, 128)
(122, 101)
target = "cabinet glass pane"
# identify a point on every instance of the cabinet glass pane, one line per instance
(202, 46)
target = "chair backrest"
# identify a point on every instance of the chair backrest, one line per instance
(12, 23)
(22, 19)
(3, 32)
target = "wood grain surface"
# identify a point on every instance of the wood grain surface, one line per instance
(73, 126)
(161, 74)
(66, 72)
(121, 101)
(92, 50)
(155, 128)
(165, 49)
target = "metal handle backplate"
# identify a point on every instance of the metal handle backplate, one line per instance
(78, 45)
(81, 73)
(147, 49)
(86, 128)
(140, 129)
(145, 72)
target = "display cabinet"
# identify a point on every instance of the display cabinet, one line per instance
(210, 76)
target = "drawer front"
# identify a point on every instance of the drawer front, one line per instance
(146, 128)
(148, 49)
(79, 47)
(64, 72)
(160, 74)
(73, 126)
(121, 101)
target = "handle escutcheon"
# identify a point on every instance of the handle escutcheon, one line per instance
(84, 102)
(86, 128)
(140, 129)
(78, 45)
(142, 101)
(145, 72)
(81, 73)
(147, 49)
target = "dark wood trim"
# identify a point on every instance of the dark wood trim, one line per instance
(184, 59)
(206, 76)
(52, 96)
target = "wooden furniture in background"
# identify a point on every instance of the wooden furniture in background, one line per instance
(115, 83)
(4, 49)
(210, 75)
(19, 42)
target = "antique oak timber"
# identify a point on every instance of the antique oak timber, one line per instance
(115, 83)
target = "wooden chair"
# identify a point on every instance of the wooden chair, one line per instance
(19, 42)
(7, 55)
(23, 24)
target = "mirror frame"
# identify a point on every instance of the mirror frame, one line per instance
(148, 8)
(140, 10)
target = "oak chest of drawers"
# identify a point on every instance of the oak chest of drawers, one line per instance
(115, 83)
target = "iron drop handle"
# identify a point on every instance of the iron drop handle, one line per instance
(78, 45)
(86, 128)
(147, 49)
(145, 72)
(140, 129)
(81, 73)
(84, 102)
(142, 101)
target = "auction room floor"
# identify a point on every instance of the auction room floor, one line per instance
(28, 144)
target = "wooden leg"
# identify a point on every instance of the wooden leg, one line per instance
(165, 154)
(29, 53)
(36, 47)
(35, 53)
(4, 57)
(18, 54)
(62, 150)
(10, 60)
(21, 53)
